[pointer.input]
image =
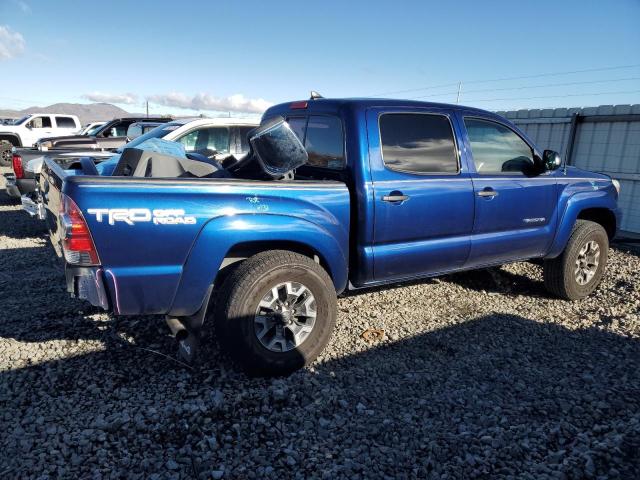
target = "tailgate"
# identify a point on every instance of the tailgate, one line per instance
(51, 181)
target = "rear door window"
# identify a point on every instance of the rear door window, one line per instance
(65, 122)
(419, 143)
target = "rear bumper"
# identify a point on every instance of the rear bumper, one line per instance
(35, 209)
(11, 186)
(87, 283)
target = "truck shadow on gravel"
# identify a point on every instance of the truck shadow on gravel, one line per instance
(494, 396)
(6, 200)
(18, 225)
(493, 279)
(83, 395)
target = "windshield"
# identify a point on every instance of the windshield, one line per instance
(158, 132)
(23, 119)
(92, 130)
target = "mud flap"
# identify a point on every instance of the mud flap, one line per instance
(186, 330)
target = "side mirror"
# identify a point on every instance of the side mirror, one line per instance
(551, 160)
(29, 126)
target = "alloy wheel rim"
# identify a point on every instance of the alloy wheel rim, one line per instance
(285, 317)
(587, 262)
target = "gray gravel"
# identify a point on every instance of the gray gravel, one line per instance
(477, 375)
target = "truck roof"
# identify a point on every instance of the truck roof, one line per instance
(335, 105)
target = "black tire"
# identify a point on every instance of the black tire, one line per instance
(5, 154)
(559, 273)
(238, 302)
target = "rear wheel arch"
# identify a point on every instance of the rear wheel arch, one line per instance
(241, 251)
(13, 139)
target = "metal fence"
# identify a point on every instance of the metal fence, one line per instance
(603, 139)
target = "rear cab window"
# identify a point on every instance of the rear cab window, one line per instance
(323, 138)
(65, 122)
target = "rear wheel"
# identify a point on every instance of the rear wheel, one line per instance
(577, 272)
(276, 312)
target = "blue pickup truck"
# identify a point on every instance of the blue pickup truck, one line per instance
(390, 190)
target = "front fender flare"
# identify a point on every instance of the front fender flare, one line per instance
(575, 204)
(219, 235)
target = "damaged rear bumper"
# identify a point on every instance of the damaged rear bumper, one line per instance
(33, 208)
(87, 283)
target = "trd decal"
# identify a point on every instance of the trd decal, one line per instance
(131, 216)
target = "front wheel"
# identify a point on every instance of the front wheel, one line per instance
(275, 313)
(577, 272)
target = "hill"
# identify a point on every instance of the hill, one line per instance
(87, 112)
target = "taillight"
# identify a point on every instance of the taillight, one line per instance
(298, 105)
(77, 244)
(16, 160)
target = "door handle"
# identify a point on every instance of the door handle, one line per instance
(488, 192)
(395, 197)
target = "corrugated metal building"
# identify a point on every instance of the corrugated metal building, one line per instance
(603, 139)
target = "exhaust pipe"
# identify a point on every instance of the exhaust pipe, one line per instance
(187, 341)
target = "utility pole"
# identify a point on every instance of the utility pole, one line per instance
(459, 90)
(148, 106)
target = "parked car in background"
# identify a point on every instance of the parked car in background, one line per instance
(214, 137)
(110, 135)
(140, 128)
(90, 127)
(26, 131)
(345, 194)
(22, 181)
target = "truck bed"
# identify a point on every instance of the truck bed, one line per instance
(161, 242)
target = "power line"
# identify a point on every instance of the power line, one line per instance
(564, 84)
(552, 96)
(414, 89)
(520, 77)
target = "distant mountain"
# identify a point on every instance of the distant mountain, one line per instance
(87, 112)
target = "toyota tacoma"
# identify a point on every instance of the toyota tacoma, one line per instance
(335, 195)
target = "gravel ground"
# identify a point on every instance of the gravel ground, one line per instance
(477, 375)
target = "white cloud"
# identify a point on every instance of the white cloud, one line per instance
(204, 101)
(124, 98)
(11, 43)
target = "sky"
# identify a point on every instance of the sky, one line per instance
(206, 57)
